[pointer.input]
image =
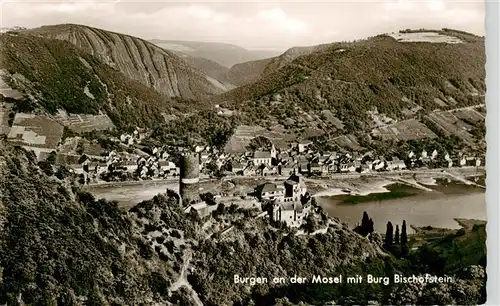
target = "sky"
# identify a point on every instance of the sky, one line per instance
(276, 25)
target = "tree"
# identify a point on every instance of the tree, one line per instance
(46, 167)
(365, 224)
(62, 172)
(404, 236)
(404, 240)
(80, 148)
(396, 235)
(51, 158)
(258, 143)
(82, 159)
(371, 227)
(208, 197)
(389, 235)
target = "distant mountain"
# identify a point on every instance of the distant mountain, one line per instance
(210, 68)
(250, 72)
(137, 59)
(224, 54)
(247, 72)
(289, 55)
(390, 74)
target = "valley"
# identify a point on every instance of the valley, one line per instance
(159, 169)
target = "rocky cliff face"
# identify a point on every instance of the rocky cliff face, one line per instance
(54, 74)
(138, 60)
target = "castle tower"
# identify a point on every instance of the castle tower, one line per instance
(189, 178)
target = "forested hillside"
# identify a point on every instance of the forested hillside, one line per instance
(352, 78)
(138, 60)
(53, 74)
(60, 246)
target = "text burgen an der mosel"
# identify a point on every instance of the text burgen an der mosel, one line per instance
(340, 279)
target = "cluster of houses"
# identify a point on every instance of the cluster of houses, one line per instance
(275, 162)
(134, 138)
(299, 158)
(461, 159)
(123, 166)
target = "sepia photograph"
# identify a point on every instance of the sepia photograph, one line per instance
(223, 153)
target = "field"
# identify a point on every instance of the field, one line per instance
(404, 130)
(245, 133)
(348, 141)
(470, 115)
(36, 130)
(449, 124)
(440, 102)
(6, 90)
(432, 37)
(81, 123)
(332, 120)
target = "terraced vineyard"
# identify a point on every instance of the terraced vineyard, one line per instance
(405, 130)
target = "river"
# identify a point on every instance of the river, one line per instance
(420, 208)
(130, 195)
(436, 208)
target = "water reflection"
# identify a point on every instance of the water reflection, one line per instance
(436, 208)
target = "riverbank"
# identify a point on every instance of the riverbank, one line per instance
(437, 208)
(430, 231)
(366, 184)
(355, 184)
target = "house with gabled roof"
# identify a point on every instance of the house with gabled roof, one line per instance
(262, 158)
(434, 154)
(237, 167)
(347, 167)
(303, 146)
(379, 165)
(396, 164)
(249, 170)
(270, 191)
(286, 168)
(333, 168)
(424, 154)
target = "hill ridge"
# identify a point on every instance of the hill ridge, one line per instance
(137, 59)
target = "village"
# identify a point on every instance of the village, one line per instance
(129, 160)
(297, 158)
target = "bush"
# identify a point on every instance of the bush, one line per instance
(460, 232)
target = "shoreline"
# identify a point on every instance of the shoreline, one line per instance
(462, 222)
(375, 184)
(368, 188)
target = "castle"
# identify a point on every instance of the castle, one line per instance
(189, 189)
(288, 202)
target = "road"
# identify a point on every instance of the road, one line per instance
(451, 172)
(469, 108)
(182, 280)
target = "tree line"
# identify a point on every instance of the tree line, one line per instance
(395, 241)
